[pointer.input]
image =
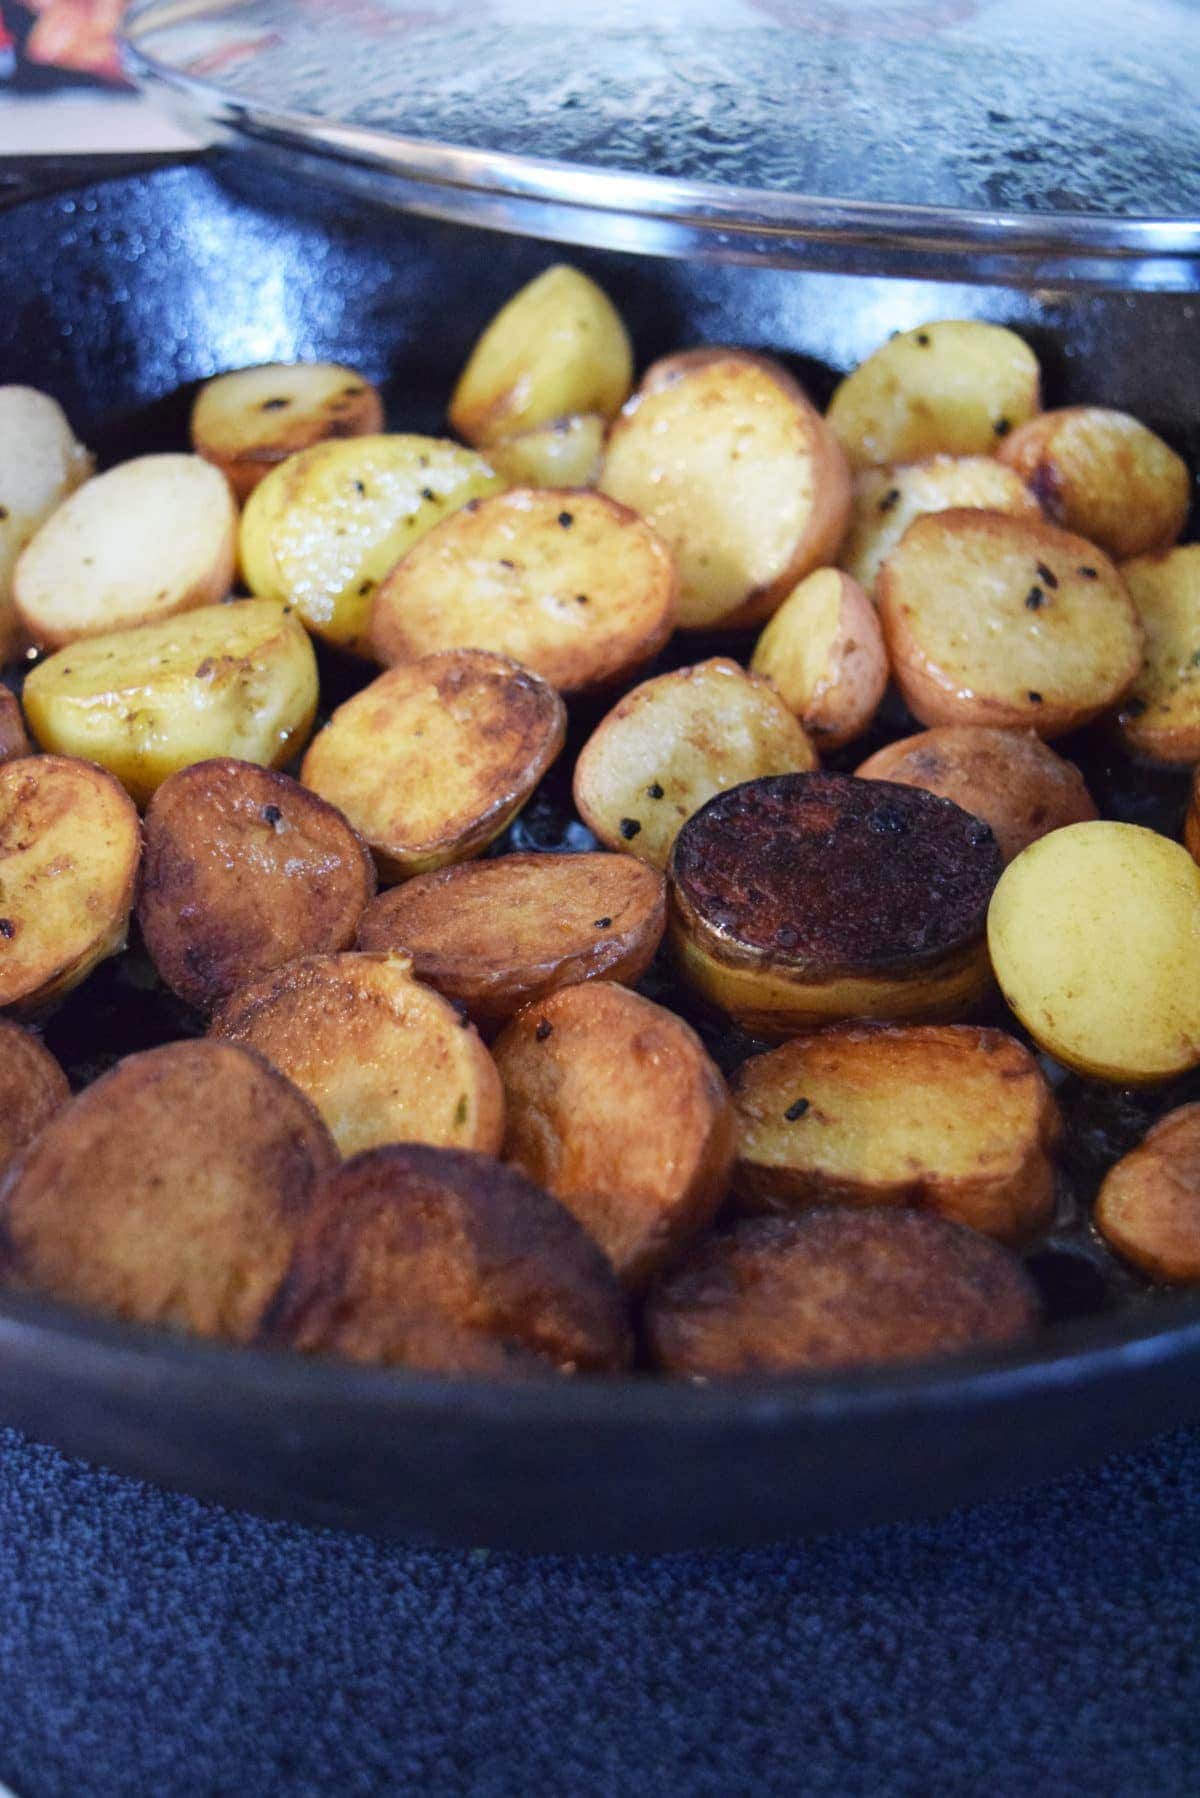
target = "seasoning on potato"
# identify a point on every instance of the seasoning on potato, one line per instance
(1159, 719)
(723, 454)
(614, 1106)
(1148, 1208)
(41, 462)
(32, 1088)
(444, 1260)
(13, 741)
(1104, 475)
(567, 453)
(810, 898)
(247, 421)
(888, 499)
(495, 935)
(836, 1287)
(824, 654)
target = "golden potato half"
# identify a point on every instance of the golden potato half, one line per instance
(247, 421)
(887, 500)
(1148, 1208)
(13, 741)
(824, 654)
(32, 1088)
(1104, 475)
(567, 453)
(1160, 717)
(41, 462)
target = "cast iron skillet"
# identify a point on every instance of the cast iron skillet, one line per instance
(117, 296)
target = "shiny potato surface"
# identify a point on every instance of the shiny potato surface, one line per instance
(824, 654)
(1102, 474)
(567, 453)
(248, 420)
(41, 462)
(1159, 720)
(887, 500)
(1148, 1208)
(32, 1088)
(13, 741)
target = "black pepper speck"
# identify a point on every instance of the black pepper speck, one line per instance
(601, 923)
(1047, 576)
(795, 1110)
(566, 519)
(543, 1031)
(654, 791)
(629, 828)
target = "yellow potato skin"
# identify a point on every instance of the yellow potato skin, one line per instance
(567, 453)
(1160, 719)
(1148, 1208)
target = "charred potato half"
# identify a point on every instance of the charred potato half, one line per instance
(1148, 1208)
(1104, 475)
(567, 453)
(824, 654)
(887, 500)
(13, 741)
(40, 464)
(32, 1088)
(1159, 720)
(247, 421)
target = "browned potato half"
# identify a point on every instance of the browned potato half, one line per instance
(13, 741)
(887, 500)
(810, 898)
(949, 1118)
(1160, 718)
(32, 1088)
(1009, 778)
(824, 654)
(1148, 1208)
(956, 387)
(991, 619)
(836, 1287)
(1104, 475)
(571, 585)
(69, 847)
(247, 421)
(244, 870)
(567, 453)
(444, 1260)
(672, 743)
(614, 1107)
(738, 473)
(434, 759)
(494, 935)
(383, 1058)
(40, 463)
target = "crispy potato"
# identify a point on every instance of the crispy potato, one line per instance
(495, 935)
(237, 680)
(69, 846)
(13, 741)
(1104, 475)
(247, 421)
(556, 348)
(383, 1058)
(615, 1108)
(823, 652)
(956, 387)
(952, 1118)
(672, 743)
(1093, 934)
(32, 1088)
(40, 464)
(722, 453)
(836, 1287)
(323, 528)
(242, 871)
(168, 1192)
(571, 585)
(567, 453)
(150, 538)
(887, 500)
(810, 898)
(444, 1260)
(1009, 778)
(1148, 1208)
(1160, 718)
(991, 619)
(434, 759)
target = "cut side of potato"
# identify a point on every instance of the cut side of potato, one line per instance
(13, 741)
(1160, 717)
(237, 680)
(991, 619)
(41, 462)
(567, 453)
(571, 585)
(150, 538)
(887, 500)
(1104, 475)
(247, 421)
(32, 1088)
(1148, 1208)
(723, 454)
(824, 654)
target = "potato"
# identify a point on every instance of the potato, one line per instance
(168, 1192)
(571, 585)
(672, 743)
(383, 1058)
(556, 348)
(150, 538)
(443, 1260)
(615, 1108)
(1009, 778)
(32, 1088)
(40, 464)
(956, 387)
(722, 453)
(434, 759)
(495, 935)
(823, 653)
(810, 898)
(1159, 720)
(242, 871)
(567, 453)
(247, 421)
(1093, 934)
(69, 846)
(1104, 475)
(13, 741)
(1148, 1208)
(836, 1287)
(322, 529)
(1191, 823)
(236, 680)
(887, 500)
(991, 619)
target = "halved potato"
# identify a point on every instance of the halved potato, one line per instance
(571, 585)
(32, 1088)
(323, 528)
(69, 847)
(991, 619)
(567, 453)
(824, 654)
(495, 935)
(672, 743)
(1191, 823)
(614, 1107)
(237, 680)
(1104, 475)
(957, 387)
(1160, 717)
(13, 741)
(383, 1058)
(247, 421)
(434, 759)
(41, 462)
(557, 347)
(170, 1191)
(150, 538)
(887, 500)
(723, 454)
(1093, 933)
(1148, 1208)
